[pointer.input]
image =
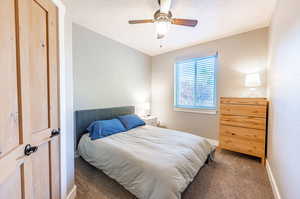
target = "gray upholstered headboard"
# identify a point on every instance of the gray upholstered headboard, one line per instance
(84, 118)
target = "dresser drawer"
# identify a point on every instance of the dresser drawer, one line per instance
(243, 133)
(244, 110)
(243, 121)
(242, 146)
(245, 101)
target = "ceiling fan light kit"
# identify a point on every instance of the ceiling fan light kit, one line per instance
(162, 23)
(163, 19)
(162, 28)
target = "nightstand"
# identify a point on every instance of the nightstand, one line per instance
(150, 120)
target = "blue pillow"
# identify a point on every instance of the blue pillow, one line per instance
(104, 128)
(131, 121)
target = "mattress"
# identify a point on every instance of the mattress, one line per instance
(150, 162)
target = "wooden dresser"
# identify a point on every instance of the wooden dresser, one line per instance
(243, 124)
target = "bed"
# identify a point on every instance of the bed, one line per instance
(150, 162)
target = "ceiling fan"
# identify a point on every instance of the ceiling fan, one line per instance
(163, 18)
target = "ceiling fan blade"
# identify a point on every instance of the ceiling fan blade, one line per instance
(185, 22)
(165, 6)
(141, 21)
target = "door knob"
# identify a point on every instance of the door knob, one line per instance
(55, 132)
(30, 149)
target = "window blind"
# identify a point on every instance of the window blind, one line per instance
(195, 83)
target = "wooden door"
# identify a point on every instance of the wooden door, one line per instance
(11, 145)
(29, 97)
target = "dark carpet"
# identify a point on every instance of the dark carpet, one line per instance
(230, 176)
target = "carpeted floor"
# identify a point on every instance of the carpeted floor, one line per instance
(230, 176)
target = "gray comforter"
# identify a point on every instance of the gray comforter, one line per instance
(150, 162)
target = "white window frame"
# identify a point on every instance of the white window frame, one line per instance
(199, 110)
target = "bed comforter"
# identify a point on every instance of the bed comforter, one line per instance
(150, 162)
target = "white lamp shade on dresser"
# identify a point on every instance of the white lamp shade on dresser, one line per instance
(252, 80)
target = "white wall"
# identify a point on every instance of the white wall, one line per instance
(238, 55)
(284, 83)
(107, 73)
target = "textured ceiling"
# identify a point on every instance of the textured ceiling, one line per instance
(217, 19)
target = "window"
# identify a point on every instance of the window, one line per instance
(195, 83)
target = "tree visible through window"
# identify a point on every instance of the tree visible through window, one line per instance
(195, 83)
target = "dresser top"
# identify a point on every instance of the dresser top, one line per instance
(244, 101)
(245, 98)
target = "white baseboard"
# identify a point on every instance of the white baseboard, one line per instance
(213, 142)
(272, 181)
(72, 194)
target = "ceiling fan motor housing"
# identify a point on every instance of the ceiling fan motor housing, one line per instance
(158, 16)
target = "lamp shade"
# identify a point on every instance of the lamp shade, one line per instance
(252, 80)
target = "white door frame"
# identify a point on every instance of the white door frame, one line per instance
(63, 102)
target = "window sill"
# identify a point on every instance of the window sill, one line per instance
(199, 111)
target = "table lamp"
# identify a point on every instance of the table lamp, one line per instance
(252, 81)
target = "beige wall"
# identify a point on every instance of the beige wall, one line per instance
(284, 83)
(108, 73)
(238, 55)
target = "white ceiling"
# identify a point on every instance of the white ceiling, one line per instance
(217, 19)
